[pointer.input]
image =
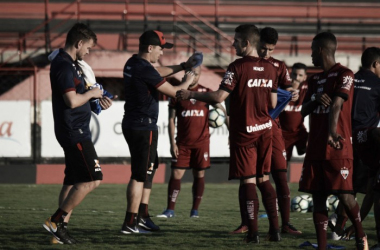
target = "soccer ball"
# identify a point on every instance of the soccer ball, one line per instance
(333, 202)
(299, 204)
(216, 118)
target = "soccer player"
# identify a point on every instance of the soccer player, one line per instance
(142, 83)
(366, 134)
(291, 120)
(327, 168)
(190, 150)
(72, 114)
(266, 46)
(251, 83)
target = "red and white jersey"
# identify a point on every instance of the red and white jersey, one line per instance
(284, 80)
(192, 120)
(338, 81)
(291, 119)
(250, 81)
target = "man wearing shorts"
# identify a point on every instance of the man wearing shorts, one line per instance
(327, 168)
(142, 83)
(72, 114)
(191, 148)
(251, 83)
(291, 120)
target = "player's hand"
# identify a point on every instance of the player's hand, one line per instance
(295, 94)
(188, 77)
(182, 94)
(323, 99)
(348, 232)
(105, 102)
(174, 151)
(194, 61)
(335, 140)
(96, 92)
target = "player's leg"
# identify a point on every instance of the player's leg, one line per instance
(140, 144)
(376, 210)
(83, 172)
(242, 228)
(199, 162)
(243, 162)
(268, 193)
(320, 218)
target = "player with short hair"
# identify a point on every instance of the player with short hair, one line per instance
(251, 83)
(191, 148)
(327, 168)
(366, 134)
(72, 114)
(291, 120)
(142, 83)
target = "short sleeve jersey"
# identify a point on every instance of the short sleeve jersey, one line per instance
(141, 81)
(70, 125)
(250, 81)
(284, 80)
(366, 104)
(338, 81)
(192, 120)
(291, 119)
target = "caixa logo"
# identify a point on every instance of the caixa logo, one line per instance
(94, 128)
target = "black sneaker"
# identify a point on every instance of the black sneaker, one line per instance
(148, 224)
(274, 235)
(252, 239)
(125, 229)
(58, 231)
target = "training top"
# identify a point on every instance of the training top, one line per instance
(250, 81)
(70, 125)
(192, 120)
(141, 81)
(366, 104)
(338, 81)
(291, 119)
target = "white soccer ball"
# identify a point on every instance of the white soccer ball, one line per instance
(216, 118)
(333, 202)
(299, 204)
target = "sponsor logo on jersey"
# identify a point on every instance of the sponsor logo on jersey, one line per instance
(97, 166)
(295, 108)
(266, 83)
(304, 86)
(320, 90)
(258, 68)
(228, 77)
(276, 64)
(347, 82)
(344, 172)
(321, 110)
(322, 81)
(363, 87)
(288, 76)
(258, 127)
(193, 112)
(333, 74)
(193, 101)
(316, 77)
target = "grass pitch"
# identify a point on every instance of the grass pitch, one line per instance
(97, 221)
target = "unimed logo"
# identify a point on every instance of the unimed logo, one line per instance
(6, 129)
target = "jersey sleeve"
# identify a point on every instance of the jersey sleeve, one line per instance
(152, 77)
(309, 91)
(284, 80)
(66, 80)
(344, 84)
(172, 102)
(230, 79)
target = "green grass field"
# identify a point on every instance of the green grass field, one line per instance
(97, 221)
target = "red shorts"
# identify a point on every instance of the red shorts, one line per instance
(327, 176)
(197, 158)
(278, 150)
(252, 160)
(297, 139)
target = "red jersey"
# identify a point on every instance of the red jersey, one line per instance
(250, 81)
(291, 119)
(284, 80)
(337, 81)
(192, 120)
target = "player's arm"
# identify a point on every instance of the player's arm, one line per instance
(335, 108)
(74, 100)
(207, 97)
(170, 90)
(171, 128)
(314, 102)
(273, 100)
(106, 102)
(220, 106)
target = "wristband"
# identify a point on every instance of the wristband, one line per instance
(183, 65)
